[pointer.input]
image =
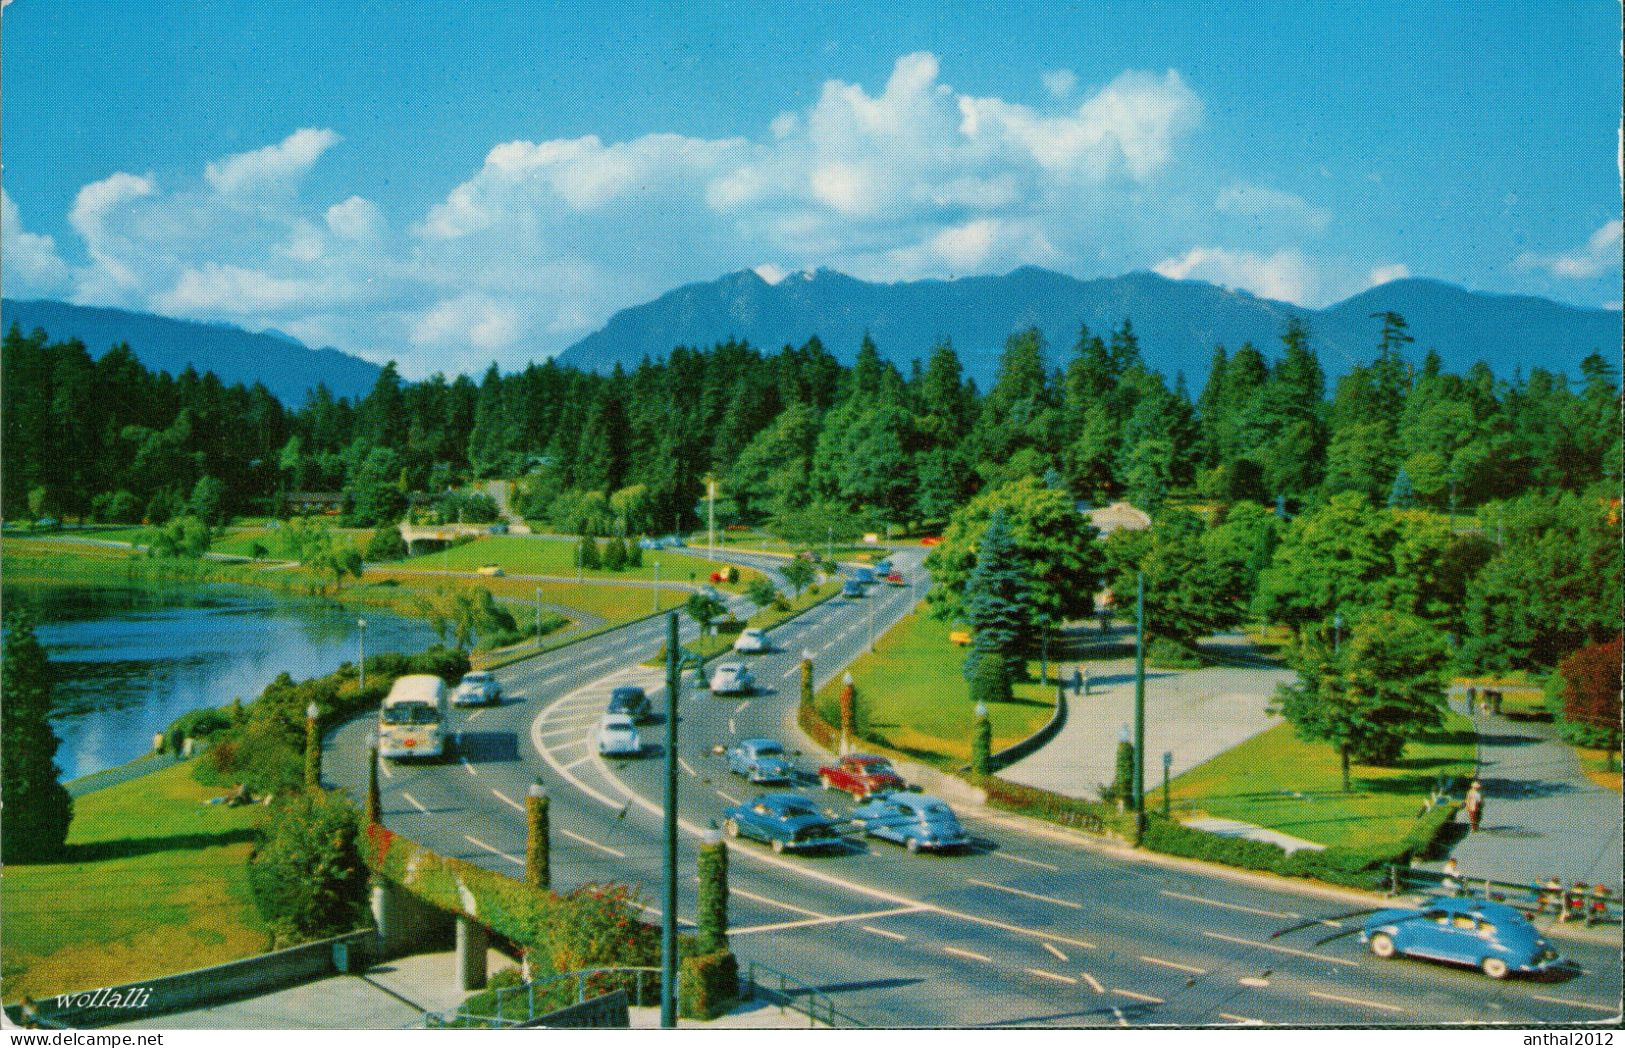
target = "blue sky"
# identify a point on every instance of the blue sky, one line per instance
(449, 187)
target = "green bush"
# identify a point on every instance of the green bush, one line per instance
(201, 724)
(707, 984)
(307, 874)
(386, 544)
(1165, 654)
(991, 681)
(615, 555)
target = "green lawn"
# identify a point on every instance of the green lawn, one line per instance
(764, 618)
(156, 882)
(520, 555)
(1278, 781)
(913, 696)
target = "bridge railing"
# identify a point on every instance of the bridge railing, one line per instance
(790, 993)
(1565, 903)
(512, 1006)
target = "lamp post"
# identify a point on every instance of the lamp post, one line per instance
(1139, 709)
(668, 916)
(1167, 764)
(1337, 633)
(538, 616)
(361, 643)
(313, 748)
(849, 712)
(657, 585)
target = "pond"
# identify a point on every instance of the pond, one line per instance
(129, 661)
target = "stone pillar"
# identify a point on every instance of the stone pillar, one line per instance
(472, 943)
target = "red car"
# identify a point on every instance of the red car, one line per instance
(860, 774)
(896, 579)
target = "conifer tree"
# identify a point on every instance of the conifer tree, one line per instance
(996, 597)
(38, 808)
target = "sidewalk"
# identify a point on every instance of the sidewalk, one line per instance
(1542, 816)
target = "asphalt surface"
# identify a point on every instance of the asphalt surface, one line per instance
(1029, 928)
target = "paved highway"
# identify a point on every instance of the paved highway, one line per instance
(1033, 927)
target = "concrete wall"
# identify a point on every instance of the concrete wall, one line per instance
(230, 981)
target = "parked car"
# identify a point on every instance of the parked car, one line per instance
(648, 543)
(760, 760)
(732, 678)
(860, 774)
(631, 701)
(675, 542)
(1492, 937)
(852, 588)
(786, 821)
(752, 641)
(618, 736)
(864, 576)
(913, 820)
(895, 578)
(499, 528)
(477, 689)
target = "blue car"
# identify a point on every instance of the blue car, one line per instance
(863, 576)
(760, 760)
(785, 821)
(852, 588)
(913, 820)
(883, 568)
(1492, 937)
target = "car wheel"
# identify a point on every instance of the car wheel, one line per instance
(732, 826)
(1382, 945)
(913, 845)
(823, 780)
(1495, 967)
(778, 846)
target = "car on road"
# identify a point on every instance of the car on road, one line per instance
(618, 736)
(1492, 937)
(648, 543)
(760, 760)
(883, 568)
(477, 689)
(712, 592)
(913, 820)
(863, 576)
(862, 775)
(732, 678)
(752, 641)
(630, 700)
(852, 588)
(785, 821)
(894, 578)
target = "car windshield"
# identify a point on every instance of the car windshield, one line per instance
(617, 729)
(796, 811)
(875, 767)
(477, 678)
(939, 811)
(410, 713)
(769, 749)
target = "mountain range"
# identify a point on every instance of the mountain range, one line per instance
(287, 367)
(1178, 321)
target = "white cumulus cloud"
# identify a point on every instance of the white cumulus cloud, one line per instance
(1284, 275)
(1384, 274)
(31, 263)
(1601, 251)
(276, 167)
(1060, 82)
(1264, 204)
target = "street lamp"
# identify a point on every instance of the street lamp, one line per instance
(1167, 763)
(657, 585)
(1337, 633)
(361, 642)
(538, 616)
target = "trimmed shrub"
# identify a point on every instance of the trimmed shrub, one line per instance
(386, 544)
(707, 984)
(587, 554)
(1165, 654)
(308, 876)
(203, 723)
(991, 681)
(615, 555)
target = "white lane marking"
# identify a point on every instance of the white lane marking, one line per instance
(1357, 1001)
(1174, 965)
(578, 762)
(1093, 982)
(558, 731)
(1022, 859)
(811, 922)
(468, 767)
(1241, 1019)
(687, 766)
(1254, 981)
(1610, 1009)
(1042, 974)
(1051, 948)
(793, 671)
(572, 744)
(509, 801)
(592, 843)
(729, 797)
(1233, 906)
(884, 932)
(741, 707)
(1025, 894)
(1120, 1020)
(414, 802)
(1138, 996)
(475, 715)
(731, 729)
(383, 766)
(494, 851)
(1282, 949)
(969, 954)
(789, 906)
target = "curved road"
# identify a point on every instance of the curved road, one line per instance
(1031, 928)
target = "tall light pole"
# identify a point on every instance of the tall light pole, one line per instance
(1139, 709)
(1167, 764)
(657, 586)
(829, 544)
(711, 515)
(361, 644)
(668, 916)
(1337, 633)
(538, 616)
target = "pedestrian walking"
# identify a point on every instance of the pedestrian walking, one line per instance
(1083, 681)
(1452, 879)
(1472, 699)
(1495, 702)
(1475, 806)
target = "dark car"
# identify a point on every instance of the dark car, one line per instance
(786, 821)
(852, 588)
(630, 701)
(913, 820)
(1492, 937)
(864, 576)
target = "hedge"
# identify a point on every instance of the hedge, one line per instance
(707, 984)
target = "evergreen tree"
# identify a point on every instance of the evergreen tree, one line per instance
(1401, 495)
(38, 808)
(996, 597)
(587, 554)
(615, 554)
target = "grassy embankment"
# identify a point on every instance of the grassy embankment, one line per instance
(520, 555)
(155, 882)
(764, 618)
(1278, 781)
(912, 696)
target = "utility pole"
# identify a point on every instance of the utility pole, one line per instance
(711, 515)
(1337, 633)
(668, 915)
(657, 585)
(538, 616)
(361, 643)
(829, 544)
(1139, 710)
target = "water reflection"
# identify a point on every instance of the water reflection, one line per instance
(128, 661)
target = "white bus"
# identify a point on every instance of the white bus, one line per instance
(413, 720)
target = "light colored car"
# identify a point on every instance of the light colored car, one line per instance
(477, 689)
(618, 736)
(913, 820)
(732, 678)
(760, 760)
(752, 642)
